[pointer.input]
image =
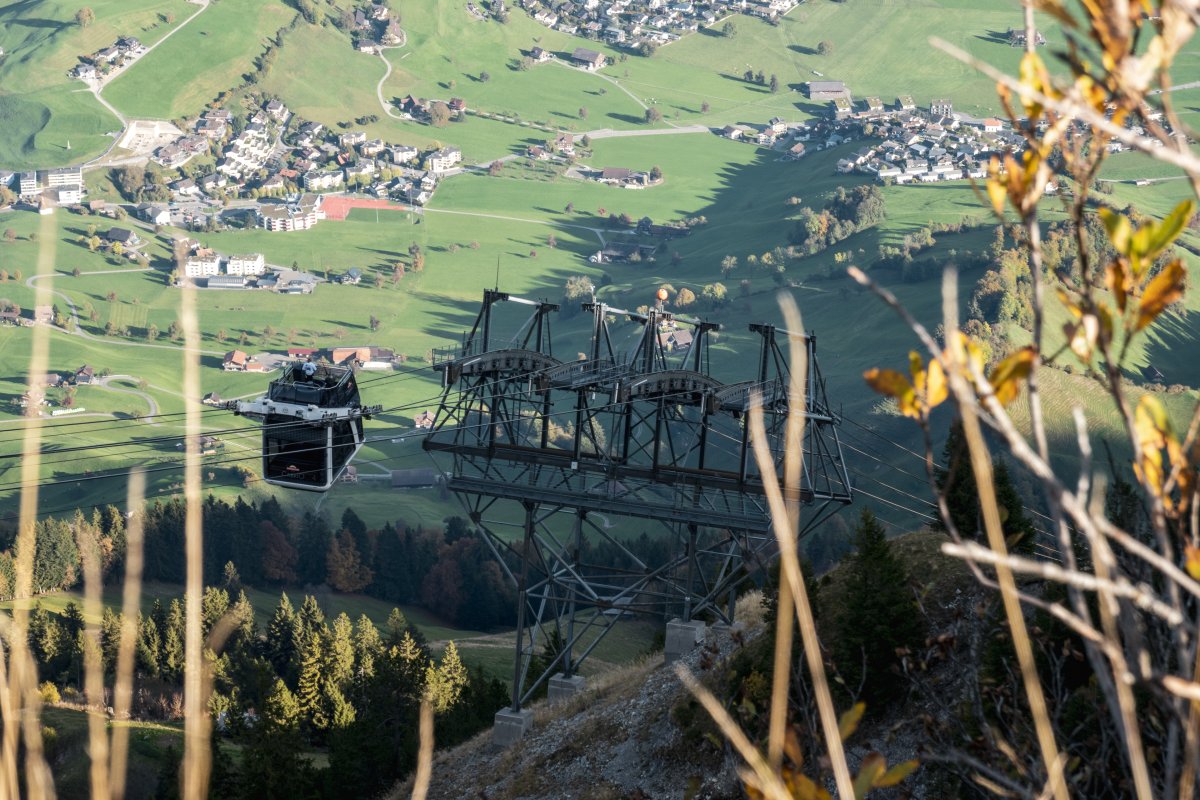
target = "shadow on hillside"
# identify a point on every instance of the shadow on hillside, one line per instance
(1171, 349)
(995, 37)
(627, 118)
(802, 50)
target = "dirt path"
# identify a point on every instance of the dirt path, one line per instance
(597, 231)
(104, 383)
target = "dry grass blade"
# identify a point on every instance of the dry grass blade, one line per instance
(131, 603)
(425, 754)
(769, 782)
(782, 676)
(981, 465)
(22, 705)
(93, 664)
(785, 534)
(196, 754)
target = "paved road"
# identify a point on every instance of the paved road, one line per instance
(150, 401)
(97, 87)
(79, 331)
(387, 107)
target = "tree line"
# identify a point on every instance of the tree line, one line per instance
(446, 570)
(298, 685)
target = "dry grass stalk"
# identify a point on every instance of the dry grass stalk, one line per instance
(425, 754)
(769, 782)
(93, 663)
(131, 604)
(960, 381)
(197, 756)
(783, 512)
(21, 705)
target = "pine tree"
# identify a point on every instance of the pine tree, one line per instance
(149, 645)
(311, 618)
(397, 627)
(956, 480)
(340, 657)
(272, 768)
(281, 640)
(110, 638)
(368, 647)
(338, 709)
(172, 649)
(878, 615)
(309, 687)
(444, 683)
(213, 606)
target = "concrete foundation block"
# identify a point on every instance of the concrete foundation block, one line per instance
(510, 726)
(563, 687)
(682, 638)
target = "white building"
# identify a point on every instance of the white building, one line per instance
(445, 159)
(315, 181)
(64, 176)
(202, 266)
(298, 216)
(251, 264)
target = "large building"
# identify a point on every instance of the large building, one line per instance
(445, 159)
(827, 90)
(251, 264)
(202, 266)
(298, 216)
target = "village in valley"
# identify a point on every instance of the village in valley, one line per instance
(577, 148)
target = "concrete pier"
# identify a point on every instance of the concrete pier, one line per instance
(563, 687)
(510, 726)
(682, 638)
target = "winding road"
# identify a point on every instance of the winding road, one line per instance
(106, 383)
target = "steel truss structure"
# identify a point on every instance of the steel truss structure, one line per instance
(645, 432)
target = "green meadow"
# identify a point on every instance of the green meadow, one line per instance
(41, 108)
(207, 57)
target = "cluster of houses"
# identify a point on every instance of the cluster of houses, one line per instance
(46, 189)
(315, 160)
(368, 357)
(375, 29)
(637, 24)
(105, 60)
(222, 272)
(35, 396)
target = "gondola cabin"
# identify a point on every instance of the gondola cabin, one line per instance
(312, 423)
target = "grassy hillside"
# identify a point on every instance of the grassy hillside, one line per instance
(41, 109)
(206, 58)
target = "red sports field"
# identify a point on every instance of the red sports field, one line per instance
(336, 207)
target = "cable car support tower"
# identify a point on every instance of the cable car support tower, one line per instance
(546, 453)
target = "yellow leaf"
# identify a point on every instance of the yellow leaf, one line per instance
(848, 722)
(1162, 234)
(1119, 229)
(1165, 289)
(997, 194)
(1119, 282)
(896, 774)
(873, 766)
(1193, 561)
(935, 385)
(1007, 376)
(893, 384)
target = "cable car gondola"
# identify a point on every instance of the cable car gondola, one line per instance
(312, 418)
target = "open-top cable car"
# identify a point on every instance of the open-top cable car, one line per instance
(312, 423)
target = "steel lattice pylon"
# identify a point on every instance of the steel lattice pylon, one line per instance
(644, 433)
